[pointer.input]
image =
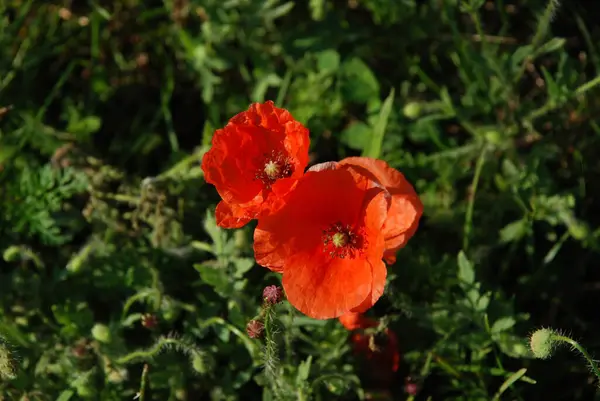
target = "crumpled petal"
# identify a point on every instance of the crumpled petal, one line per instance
(236, 162)
(405, 207)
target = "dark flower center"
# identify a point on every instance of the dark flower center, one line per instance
(274, 166)
(342, 241)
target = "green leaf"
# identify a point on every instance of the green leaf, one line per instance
(554, 91)
(514, 231)
(317, 9)
(373, 148)
(215, 232)
(356, 136)
(6, 152)
(483, 302)
(503, 324)
(509, 382)
(263, 84)
(65, 395)
(466, 274)
(520, 55)
(328, 61)
(278, 11)
(214, 277)
(85, 126)
(359, 84)
(303, 371)
(202, 246)
(510, 171)
(551, 46)
(207, 133)
(512, 345)
(242, 265)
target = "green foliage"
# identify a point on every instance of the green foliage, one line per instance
(115, 281)
(34, 197)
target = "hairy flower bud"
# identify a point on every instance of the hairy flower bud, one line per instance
(542, 343)
(101, 333)
(255, 329)
(149, 320)
(273, 294)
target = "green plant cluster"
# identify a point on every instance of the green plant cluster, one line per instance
(116, 283)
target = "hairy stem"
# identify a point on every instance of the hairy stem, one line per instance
(581, 350)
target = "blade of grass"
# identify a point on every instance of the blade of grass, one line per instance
(373, 148)
(509, 382)
(470, 206)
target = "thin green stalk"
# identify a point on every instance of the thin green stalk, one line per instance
(270, 350)
(470, 206)
(544, 23)
(587, 86)
(550, 106)
(477, 21)
(143, 384)
(182, 166)
(149, 353)
(581, 350)
(540, 33)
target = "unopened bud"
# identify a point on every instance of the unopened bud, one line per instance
(412, 110)
(273, 294)
(149, 320)
(101, 333)
(542, 343)
(255, 329)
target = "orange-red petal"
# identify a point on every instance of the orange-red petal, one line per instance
(235, 164)
(318, 284)
(355, 320)
(327, 290)
(378, 274)
(405, 208)
(230, 216)
(382, 361)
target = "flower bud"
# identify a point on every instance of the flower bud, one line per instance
(255, 329)
(273, 294)
(542, 343)
(101, 333)
(412, 110)
(411, 387)
(149, 320)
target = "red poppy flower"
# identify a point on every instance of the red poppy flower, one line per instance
(254, 162)
(327, 241)
(405, 209)
(380, 352)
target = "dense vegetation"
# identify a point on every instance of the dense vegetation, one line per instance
(115, 277)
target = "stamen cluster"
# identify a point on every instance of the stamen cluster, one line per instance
(341, 241)
(274, 166)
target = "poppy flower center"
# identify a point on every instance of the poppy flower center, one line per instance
(274, 166)
(271, 169)
(341, 241)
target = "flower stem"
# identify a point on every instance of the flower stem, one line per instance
(471, 203)
(142, 392)
(581, 350)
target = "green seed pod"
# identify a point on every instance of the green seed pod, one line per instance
(494, 137)
(412, 110)
(101, 333)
